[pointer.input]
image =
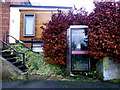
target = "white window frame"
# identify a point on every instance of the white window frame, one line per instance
(33, 26)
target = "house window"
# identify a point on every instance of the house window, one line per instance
(29, 24)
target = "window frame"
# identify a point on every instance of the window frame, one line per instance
(24, 26)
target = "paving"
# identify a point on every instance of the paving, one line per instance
(59, 84)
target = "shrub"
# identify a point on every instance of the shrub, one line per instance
(104, 31)
(35, 62)
(54, 36)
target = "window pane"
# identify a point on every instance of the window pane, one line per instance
(78, 40)
(29, 25)
(80, 62)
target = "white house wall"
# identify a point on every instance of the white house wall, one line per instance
(14, 24)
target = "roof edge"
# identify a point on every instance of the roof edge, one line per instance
(30, 6)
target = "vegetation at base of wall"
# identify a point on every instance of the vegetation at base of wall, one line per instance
(11, 79)
(15, 78)
(35, 62)
(114, 80)
(84, 76)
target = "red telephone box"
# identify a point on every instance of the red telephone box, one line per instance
(77, 53)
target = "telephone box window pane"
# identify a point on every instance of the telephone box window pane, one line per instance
(80, 62)
(78, 40)
(29, 25)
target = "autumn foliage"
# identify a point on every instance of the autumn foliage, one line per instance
(54, 36)
(104, 31)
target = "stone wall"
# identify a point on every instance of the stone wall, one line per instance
(9, 71)
(108, 69)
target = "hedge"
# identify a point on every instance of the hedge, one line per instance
(54, 36)
(103, 32)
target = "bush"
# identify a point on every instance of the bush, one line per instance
(35, 62)
(104, 31)
(54, 36)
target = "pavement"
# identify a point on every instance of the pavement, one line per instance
(60, 84)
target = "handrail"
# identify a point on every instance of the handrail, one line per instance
(20, 43)
(14, 50)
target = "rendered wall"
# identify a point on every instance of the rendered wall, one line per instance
(108, 69)
(14, 24)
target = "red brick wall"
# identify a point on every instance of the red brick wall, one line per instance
(5, 9)
(5, 16)
(0, 20)
(18, 2)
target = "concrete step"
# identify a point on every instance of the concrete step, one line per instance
(22, 68)
(8, 56)
(11, 59)
(6, 52)
(4, 48)
(17, 63)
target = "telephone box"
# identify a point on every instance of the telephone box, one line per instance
(77, 52)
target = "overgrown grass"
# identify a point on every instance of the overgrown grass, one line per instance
(35, 62)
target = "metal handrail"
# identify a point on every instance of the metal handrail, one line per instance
(19, 42)
(14, 51)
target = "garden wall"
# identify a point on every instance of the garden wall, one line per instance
(108, 69)
(9, 71)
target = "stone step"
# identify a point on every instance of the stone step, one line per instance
(17, 63)
(8, 56)
(22, 68)
(4, 48)
(6, 52)
(11, 59)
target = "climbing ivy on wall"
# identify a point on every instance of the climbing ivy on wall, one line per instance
(54, 36)
(104, 31)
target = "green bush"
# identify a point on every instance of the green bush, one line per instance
(35, 62)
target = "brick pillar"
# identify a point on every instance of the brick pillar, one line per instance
(0, 20)
(5, 18)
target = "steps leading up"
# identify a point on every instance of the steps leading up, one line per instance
(12, 58)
